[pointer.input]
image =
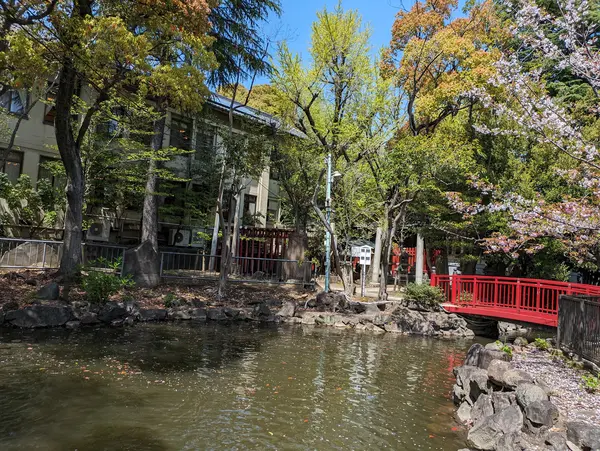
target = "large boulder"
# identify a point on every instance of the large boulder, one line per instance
(333, 300)
(473, 381)
(496, 370)
(482, 408)
(528, 393)
(472, 358)
(40, 316)
(261, 311)
(155, 314)
(502, 400)
(216, 314)
(412, 322)
(512, 378)
(486, 434)
(50, 292)
(486, 356)
(463, 414)
(541, 414)
(143, 263)
(584, 435)
(288, 309)
(112, 311)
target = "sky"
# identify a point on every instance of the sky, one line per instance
(294, 25)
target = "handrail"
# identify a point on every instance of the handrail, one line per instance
(516, 298)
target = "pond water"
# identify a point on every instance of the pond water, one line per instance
(216, 387)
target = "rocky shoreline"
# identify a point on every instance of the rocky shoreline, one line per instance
(324, 310)
(508, 408)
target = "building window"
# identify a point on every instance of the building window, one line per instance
(49, 107)
(14, 163)
(205, 145)
(249, 205)
(181, 132)
(15, 101)
(273, 211)
(45, 173)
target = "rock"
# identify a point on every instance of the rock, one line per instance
(39, 316)
(496, 370)
(371, 309)
(584, 435)
(155, 314)
(308, 319)
(482, 408)
(142, 262)
(412, 322)
(392, 327)
(231, 313)
(472, 358)
(557, 441)
(494, 346)
(72, 324)
(88, 318)
(478, 385)
(274, 302)
(325, 320)
(528, 393)
(198, 313)
(197, 303)
(572, 446)
(261, 310)
(129, 321)
(117, 323)
(132, 308)
(486, 434)
(463, 414)
(216, 314)
(509, 442)
(512, 378)
(334, 300)
(1, 317)
(180, 314)
(486, 356)
(520, 341)
(288, 309)
(502, 400)
(10, 305)
(112, 311)
(541, 413)
(459, 395)
(50, 292)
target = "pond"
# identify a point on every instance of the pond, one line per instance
(214, 386)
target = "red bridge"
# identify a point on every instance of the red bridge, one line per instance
(528, 300)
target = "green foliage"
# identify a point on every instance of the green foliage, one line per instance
(101, 280)
(425, 295)
(541, 344)
(169, 300)
(591, 383)
(507, 349)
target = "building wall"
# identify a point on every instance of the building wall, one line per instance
(36, 139)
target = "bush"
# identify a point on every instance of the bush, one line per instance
(541, 344)
(101, 284)
(591, 383)
(504, 348)
(425, 295)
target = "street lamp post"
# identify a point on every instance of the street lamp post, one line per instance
(328, 217)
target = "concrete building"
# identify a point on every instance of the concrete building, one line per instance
(35, 145)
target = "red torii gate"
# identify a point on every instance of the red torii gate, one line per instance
(528, 300)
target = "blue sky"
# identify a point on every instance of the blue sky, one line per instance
(294, 25)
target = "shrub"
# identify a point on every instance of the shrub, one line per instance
(100, 284)
(169, 300)
(504, 348)
(541, 344)
(591, 383)
(425, 295)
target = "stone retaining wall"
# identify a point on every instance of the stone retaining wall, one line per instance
(507, 410)
(387, 317)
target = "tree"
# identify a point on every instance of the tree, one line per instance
(327, 94)
(528, 93)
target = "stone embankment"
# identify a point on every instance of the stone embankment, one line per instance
(508, 409)
(326, 310)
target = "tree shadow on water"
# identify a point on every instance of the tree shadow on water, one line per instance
(110, 437)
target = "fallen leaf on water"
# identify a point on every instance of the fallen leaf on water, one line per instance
(270, 433)
(306, 420)
(338, 388)
(431, 436)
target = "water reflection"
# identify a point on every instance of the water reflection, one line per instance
(172, 387)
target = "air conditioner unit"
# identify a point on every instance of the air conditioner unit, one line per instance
(179, 237)
(99, 230)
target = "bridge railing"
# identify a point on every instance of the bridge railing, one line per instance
(516, 297)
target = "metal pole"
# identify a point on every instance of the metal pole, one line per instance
(363, 281)
(328, 217)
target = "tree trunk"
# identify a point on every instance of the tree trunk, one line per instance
(70, 154)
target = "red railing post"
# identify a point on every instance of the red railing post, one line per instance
(454, 282)
(518, 295)
(475, 290)
(496, 292)
(433, 279)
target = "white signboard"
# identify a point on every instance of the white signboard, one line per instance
(363, 253)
